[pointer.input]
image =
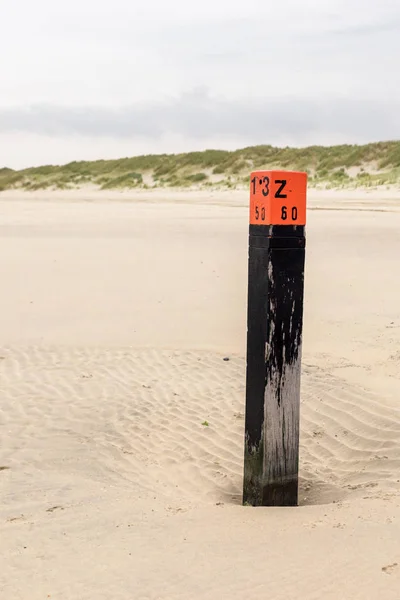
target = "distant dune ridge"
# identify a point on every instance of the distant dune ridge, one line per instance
(344, 166)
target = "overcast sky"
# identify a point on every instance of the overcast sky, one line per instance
(86, 79)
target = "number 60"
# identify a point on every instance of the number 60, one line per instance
(284, 214)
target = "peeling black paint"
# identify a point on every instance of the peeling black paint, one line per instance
(285, 311)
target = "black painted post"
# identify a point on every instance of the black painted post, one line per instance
(274, 337)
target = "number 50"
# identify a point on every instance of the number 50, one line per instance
(258, 213)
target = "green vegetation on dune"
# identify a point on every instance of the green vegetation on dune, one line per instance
(328, 166)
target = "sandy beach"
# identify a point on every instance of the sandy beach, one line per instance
(116, 313)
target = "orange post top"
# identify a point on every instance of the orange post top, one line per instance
(278, 198)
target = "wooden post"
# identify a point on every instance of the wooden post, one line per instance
(274, 336)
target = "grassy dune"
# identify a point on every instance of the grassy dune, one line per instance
(349, 166)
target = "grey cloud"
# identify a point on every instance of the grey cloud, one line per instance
(196, 115)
